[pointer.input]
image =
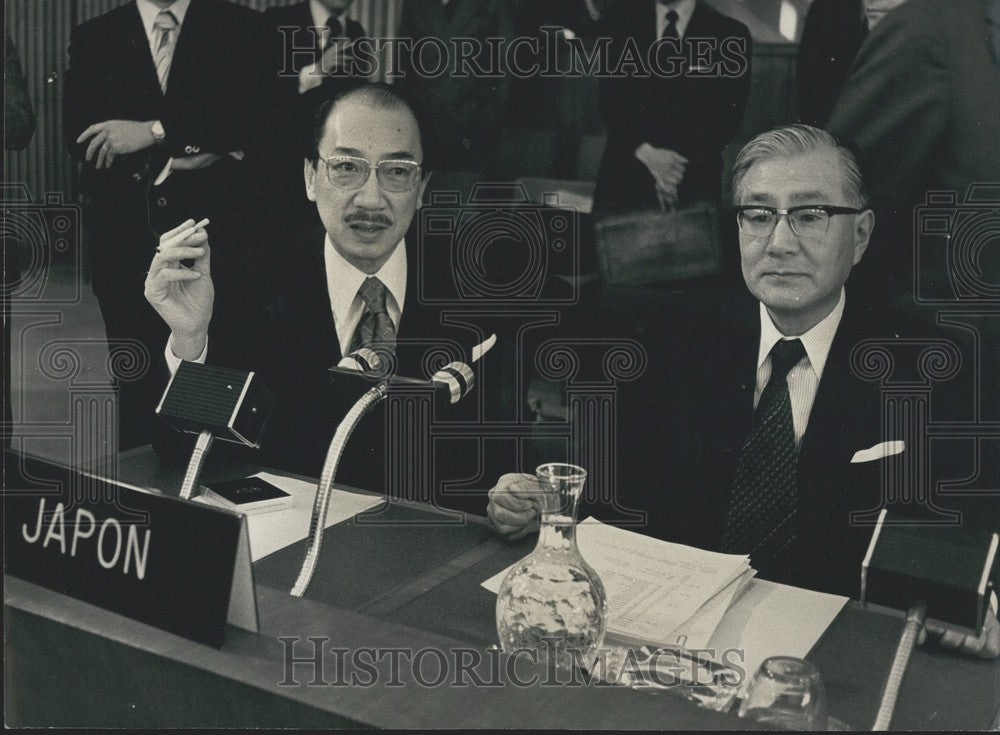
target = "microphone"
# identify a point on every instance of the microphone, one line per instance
(214, 402)
(938, 573)
(456, 379)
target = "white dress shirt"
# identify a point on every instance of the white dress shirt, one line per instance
(321, 15)
(684, 10)
(148, 11)
(342, 282)
(803, 379)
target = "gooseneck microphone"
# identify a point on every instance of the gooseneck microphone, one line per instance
(455, 377)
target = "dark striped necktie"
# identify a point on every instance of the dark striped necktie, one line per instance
(763, 505)
(375, 330)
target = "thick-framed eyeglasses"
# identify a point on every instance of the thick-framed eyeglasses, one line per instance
(808, 220)
(350, 172)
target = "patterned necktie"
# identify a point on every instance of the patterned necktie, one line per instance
(762, 509)
(670, 31)
(166, 27)
(375, 328)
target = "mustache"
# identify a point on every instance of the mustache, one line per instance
(368, 219)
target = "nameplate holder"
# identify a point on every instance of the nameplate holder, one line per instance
(180, 566)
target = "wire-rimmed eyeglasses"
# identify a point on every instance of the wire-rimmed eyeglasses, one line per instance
(350, 172)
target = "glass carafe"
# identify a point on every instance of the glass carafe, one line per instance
(552, 602)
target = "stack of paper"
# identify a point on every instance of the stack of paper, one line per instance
(658, 592)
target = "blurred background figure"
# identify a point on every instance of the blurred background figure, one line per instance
(311, 62)
(666, 132)
(18, 129)
(832, 34)
(465, 109)
(921, 103)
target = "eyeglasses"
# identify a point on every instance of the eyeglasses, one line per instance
(809, 220)
(349, 172)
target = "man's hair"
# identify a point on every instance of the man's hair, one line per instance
(794, 140)
(381, 97)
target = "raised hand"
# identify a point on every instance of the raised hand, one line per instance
(183, 297)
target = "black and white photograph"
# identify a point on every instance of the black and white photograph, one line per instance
(501, 365)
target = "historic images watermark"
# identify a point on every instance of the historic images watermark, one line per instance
(553, 53)
(315, 661)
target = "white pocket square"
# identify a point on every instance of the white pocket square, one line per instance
(879, 451)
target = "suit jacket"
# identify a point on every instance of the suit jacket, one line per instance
(832, 35)
(293, 114)
(212, 105)
(465, 109)
(921, 103)
(709, 373)
(694, 115)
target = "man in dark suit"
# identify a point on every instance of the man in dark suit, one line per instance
(310, 61)
(772, 437)
(465, 108)
(668, 122)
(354, 282)
(161, 107)
(831, 36)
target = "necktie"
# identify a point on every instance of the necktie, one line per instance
(762, 509)
(166, 27)
(334, 28)
(670, 31)
(375, 328)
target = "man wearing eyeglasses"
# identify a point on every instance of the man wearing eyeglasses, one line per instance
(353, 282)
(772, 438)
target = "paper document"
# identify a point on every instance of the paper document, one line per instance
(771, 619)
(654, 587)
(270, 532)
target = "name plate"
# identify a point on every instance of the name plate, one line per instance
(180, 566)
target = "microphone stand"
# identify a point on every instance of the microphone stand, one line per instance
(456, 377)
(197, 461)
(914, 622)
(344, 430)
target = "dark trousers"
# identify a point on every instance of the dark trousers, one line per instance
(136, 338)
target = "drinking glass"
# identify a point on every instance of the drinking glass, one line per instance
(786, 693)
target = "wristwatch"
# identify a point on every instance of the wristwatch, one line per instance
(157, 130)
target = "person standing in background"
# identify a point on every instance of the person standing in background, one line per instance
(466, 109)
(311, 61)
(162, 107)
(667, 129)
(921, 104)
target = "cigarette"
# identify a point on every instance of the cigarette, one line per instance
(183, 235)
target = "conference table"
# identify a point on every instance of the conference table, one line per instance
(405, 580)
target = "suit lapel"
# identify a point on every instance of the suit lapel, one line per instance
(195, 32)
(138, 57)
(309, 312)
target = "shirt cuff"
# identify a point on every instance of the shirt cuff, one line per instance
(174, 362)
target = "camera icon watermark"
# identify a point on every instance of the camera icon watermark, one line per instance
(957, 247)
(37, 234)
(504, 250)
